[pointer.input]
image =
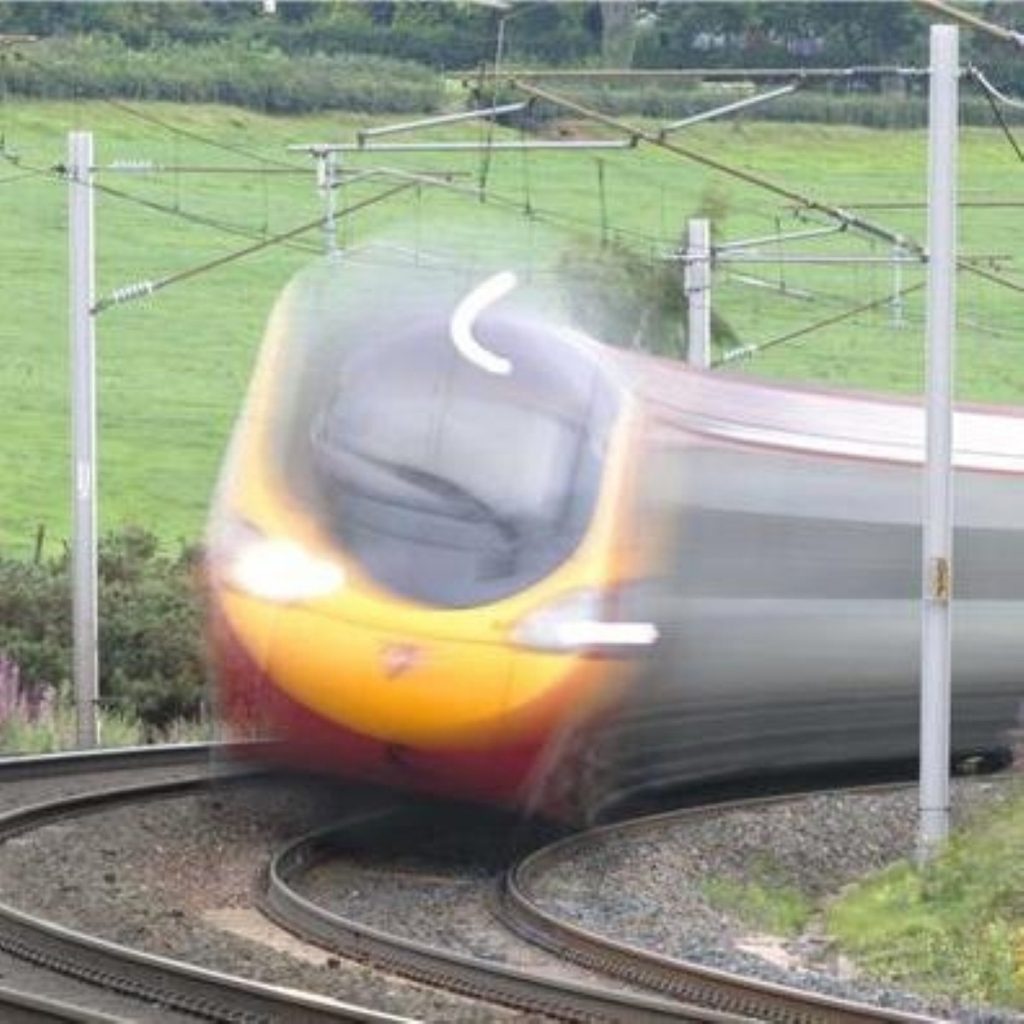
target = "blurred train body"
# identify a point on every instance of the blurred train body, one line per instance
(576, 570)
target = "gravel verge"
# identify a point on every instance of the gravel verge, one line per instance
(649, 888)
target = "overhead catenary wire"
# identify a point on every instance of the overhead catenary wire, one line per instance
(978, 76)
(804, 203)
(848, 314)
(1006, 35)
(144, 167)
(988, 275)
(807, 202)
(56, 175)
(839, 301)
(515, 205)
(991, 95)
(144, 288)
(850, 259)
(442, 180)
(906, 205)
(153, 119)
(11, 179)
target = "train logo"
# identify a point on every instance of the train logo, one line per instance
(397, 659)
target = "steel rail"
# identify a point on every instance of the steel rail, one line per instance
(207, 994)
(719, 990)
(114, 759)
(455, 972)
(26, 1008)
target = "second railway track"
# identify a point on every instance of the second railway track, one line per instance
(155, 984)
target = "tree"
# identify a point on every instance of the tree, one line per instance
(618, 34)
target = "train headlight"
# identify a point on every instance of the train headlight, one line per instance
(580, 621)
(276, 569)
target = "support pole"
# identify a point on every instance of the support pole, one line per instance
(698, 294)
(326, 182)
(896, 307)
(82, 267)
(937, 550)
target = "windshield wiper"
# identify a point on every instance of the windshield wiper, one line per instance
(449, 490)
(340, 459)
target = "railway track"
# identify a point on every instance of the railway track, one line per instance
(677, 989)
(660, 988)
(25, 1008)
(692, 983)
(169, 986)
(458, 972)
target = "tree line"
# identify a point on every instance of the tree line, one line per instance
(386, 57)
(460, 35)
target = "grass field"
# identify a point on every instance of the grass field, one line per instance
(172, 369)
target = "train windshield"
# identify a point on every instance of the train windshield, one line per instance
(448, 484)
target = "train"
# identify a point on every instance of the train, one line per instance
(460, 547)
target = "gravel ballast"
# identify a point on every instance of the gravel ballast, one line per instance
(177, 877)
(649, 888)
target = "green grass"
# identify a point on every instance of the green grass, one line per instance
(56, 731)
(764, 905)
(955, 928)
(173, 368)
(20, 735)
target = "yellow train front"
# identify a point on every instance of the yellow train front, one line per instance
(418, 551)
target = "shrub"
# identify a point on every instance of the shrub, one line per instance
(151, 660)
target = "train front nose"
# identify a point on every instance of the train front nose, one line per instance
(438, 714)
(404, 512)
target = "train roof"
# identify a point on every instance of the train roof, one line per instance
(744, 410)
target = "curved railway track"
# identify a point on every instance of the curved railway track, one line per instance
(158, 982)
(458, 972)
(658, 988)
(693, 983)
(678, 989)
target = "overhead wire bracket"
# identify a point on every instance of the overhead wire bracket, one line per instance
(728, 108)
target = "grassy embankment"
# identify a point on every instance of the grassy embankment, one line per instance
(172, 369)
(56, 731)
(955, 928)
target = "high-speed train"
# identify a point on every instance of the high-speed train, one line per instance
(461, 547)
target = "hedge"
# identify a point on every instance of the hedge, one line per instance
(262, 79)
(152, 665)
